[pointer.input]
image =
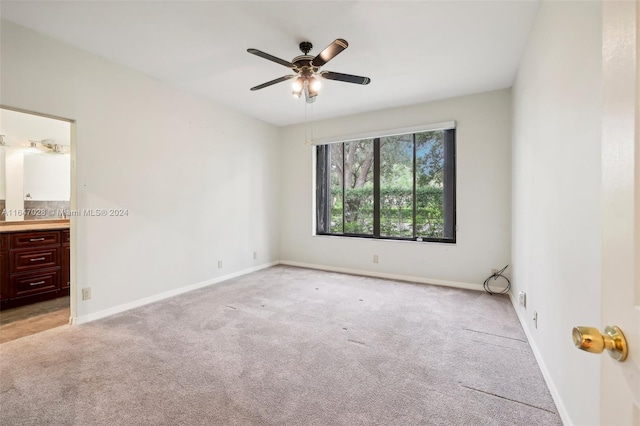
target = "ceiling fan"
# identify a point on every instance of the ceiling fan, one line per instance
(306, 69)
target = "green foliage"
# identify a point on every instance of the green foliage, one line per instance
(430, 158)
(396, 160)
(358, 162)
(396, 178)
(396, 212)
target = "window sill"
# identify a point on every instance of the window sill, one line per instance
(393, 240)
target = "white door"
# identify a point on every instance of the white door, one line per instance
(620, 381)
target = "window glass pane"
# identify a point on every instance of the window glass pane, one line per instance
(336, 189)
(396, 186)
(358, 184)
(429, 184)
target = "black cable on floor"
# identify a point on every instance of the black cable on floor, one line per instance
(495, 276)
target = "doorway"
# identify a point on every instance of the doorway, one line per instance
(37, 226)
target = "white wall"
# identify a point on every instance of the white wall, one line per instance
(483, 195)
(47, 177)
(556, 196)
(3, 193)
(14, 174)
(199, 180)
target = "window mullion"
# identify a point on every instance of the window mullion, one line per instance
(344, 177)
(323, 186)
(415, 197)
(376, 187)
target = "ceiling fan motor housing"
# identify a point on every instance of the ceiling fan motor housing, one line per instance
(303, 65)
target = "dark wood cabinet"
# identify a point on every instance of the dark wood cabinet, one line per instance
(4, 267)
(4, 276)
(66, 265)
(34, 266)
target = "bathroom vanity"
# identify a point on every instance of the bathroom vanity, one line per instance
(34, 262)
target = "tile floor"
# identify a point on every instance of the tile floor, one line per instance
(31, 319)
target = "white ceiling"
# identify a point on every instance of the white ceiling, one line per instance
(413, 51)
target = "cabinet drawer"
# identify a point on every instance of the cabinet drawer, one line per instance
(66, 237)
(34, 239)
(34, 283)
(29, 260)
(4, 242)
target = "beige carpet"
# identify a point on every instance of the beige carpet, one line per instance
(284, 346)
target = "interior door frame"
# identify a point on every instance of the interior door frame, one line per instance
(73, 301)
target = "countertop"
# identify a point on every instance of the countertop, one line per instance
(34, 225)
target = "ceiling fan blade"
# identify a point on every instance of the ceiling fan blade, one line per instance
(272, 82)
(330, 52)
(271, 58)
(348, 78)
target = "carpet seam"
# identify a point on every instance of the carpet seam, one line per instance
(509, 399)
(497, 335)
(493, 344)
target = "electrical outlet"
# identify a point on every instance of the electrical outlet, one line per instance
(375, 258)
(535, 318)
(86, 293)
(255, 255)
(522, 299)
(219, 264)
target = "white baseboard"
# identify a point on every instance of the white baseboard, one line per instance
(557, 399)
(422, 280)
(165, 295)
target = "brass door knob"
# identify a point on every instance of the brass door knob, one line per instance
(591, 340)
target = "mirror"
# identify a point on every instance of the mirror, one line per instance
(35, 167)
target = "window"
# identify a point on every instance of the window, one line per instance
(398, 187)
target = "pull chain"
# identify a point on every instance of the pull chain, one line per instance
(308, 126)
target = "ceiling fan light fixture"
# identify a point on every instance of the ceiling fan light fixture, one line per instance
(298, 85)
(314, 84)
